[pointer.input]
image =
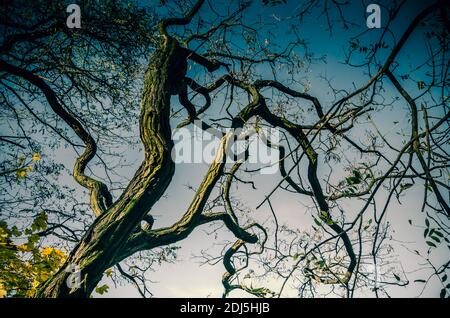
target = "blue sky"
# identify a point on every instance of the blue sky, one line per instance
(186, 278)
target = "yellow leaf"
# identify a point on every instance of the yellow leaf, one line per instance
(21, 173)
(44, 276)
(60, 253)
(56, 252)
(36, 156)
(35, 283)
(22, 248)
(2, 291)
(109, 272)
(47, 251)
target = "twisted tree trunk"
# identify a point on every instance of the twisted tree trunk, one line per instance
(106, 237)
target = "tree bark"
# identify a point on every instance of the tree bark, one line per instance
(106, 237)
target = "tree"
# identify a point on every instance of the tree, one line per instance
(89, 79)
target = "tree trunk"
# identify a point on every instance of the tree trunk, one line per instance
(106, 237)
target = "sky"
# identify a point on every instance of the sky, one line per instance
(187, 276)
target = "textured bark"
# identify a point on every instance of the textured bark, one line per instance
(97, 251)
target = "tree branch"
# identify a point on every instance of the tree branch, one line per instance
(100, 197)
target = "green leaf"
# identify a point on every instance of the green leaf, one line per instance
(397, 277)
(34, 238)
(427, 222)
(444, 278)
(40, 222)
(102, 289)
(443, 292)
(405, 186)
(368, 224)
(15, 231)
(431, 244)
(425, 233)
(436, 239)
(321, 263)
(358, 175)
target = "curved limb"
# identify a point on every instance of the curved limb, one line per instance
(100, 197)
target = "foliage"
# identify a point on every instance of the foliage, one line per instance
(23, 267)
